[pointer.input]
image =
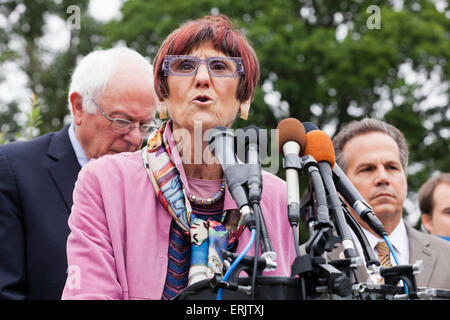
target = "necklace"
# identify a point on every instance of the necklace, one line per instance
(208, 201)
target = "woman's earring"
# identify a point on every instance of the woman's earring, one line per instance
(245, 107)
(162, 110)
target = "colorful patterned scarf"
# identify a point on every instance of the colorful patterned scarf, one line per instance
(208, 237)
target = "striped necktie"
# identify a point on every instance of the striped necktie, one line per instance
(384, 255)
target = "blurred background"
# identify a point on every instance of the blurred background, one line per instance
(328, 62)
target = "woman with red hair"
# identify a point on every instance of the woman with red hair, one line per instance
(146, 225)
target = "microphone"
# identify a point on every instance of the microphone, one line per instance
(291, 134)
(253, 162)
(291, 143)
(320, 146)
(352, 195)
(251, 134)
(241, 178)
(221, 145)
(357, 202)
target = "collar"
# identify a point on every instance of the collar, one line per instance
(398, 239)
(79, 152)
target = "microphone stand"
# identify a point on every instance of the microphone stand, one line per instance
(316, 275)
(391, 275)
(369, 255)
(247, 177)
(254, 187)
(255, 258)
(293, 161)
(244, 182)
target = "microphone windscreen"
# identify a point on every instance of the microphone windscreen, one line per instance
(320, 146)
(291, 129)
(309, 126)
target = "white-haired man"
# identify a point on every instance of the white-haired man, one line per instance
(112, 102)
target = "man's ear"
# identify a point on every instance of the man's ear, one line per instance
(76, 102)
(427, 222)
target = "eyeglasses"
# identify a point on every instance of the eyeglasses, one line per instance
(124, 126)
(180, 65)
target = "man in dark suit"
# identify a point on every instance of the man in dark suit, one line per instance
(374, 156)
(112, 103)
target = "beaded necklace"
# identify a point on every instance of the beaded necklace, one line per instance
(211, 200)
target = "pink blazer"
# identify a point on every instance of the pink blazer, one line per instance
(118, 245)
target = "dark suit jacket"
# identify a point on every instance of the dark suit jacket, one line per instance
(37, 178)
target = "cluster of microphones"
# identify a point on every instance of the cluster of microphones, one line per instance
(305, 149)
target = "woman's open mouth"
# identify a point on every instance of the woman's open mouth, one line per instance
(202, 100)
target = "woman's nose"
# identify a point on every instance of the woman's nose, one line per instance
(202, 77)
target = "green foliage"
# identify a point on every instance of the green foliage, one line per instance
(324, 79)
(317, 76)
(34, 118)
(30, 129)
(49, 80)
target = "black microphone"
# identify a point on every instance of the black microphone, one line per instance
(356, 201)
(319, 145)
(253, 161)
(221, 145)
(352, 195)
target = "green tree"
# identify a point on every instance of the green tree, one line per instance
(30, 129)
(320, 61)
(49, 80)
(323, 62)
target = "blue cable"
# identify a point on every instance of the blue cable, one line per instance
(396, 260)
(236, 262)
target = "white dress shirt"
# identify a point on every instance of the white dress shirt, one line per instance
(398, 239)
(79, 152)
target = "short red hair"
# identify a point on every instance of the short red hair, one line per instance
(224, 36)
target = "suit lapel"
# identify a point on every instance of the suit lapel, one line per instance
(63, 165)
(419, 250)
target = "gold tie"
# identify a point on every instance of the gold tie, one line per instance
(384, 255)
